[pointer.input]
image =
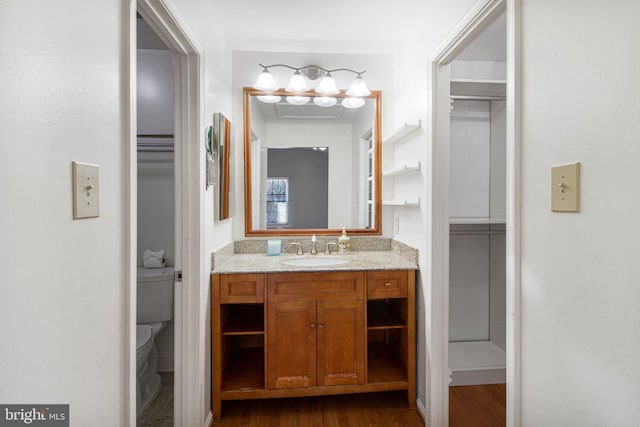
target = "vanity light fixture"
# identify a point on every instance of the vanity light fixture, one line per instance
(265, 81)
(326, 87)
(358, 87)
(297, 83)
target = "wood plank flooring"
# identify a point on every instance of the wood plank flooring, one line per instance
(478, 406)
(387, 409)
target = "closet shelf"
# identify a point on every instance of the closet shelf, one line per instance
(468, 87)
(402, 170)
(402, 132)
(404, 202)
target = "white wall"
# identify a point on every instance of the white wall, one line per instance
(62, 301)
(424, 29)
(580, 272)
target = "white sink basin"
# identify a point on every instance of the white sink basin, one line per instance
(314, 262)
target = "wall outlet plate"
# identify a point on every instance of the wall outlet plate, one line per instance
(565, 188)
(86, 191)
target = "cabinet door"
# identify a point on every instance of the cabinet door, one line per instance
(341, 342)
(291, 344)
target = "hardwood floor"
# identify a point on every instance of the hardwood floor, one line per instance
(478, 406)
(387, 409)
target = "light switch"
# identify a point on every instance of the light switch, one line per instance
(86, 191)
(565, 188)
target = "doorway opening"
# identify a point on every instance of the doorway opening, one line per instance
(477, 220)
(188, 217)
(156, 229)
(475, 210)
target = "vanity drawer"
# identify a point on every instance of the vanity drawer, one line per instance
(242, 288)
(386, 284)
(335, 286)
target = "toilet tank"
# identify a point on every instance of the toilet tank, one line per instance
(155, 295)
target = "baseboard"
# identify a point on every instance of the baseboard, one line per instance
(478, 376)
(209, 421)
(421, 409)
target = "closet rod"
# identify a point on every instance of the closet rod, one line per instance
(152, 135)
(475, 232)
(478, 98)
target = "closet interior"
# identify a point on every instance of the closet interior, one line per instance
(477, 202)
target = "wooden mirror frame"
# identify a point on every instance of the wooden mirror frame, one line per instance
(377, 176)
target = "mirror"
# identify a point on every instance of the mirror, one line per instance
(222, 149)
(310, 169)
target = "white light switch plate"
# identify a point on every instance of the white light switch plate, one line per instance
(565, 188)
(86, 191)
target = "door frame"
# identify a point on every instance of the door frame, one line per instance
(189, 308)
(477, 19)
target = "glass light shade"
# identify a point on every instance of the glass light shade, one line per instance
(297, 100)
(327, 86)
(352, 102)
(265, 81)
(325, 101)
(269, 99)
(358, 87)
(297, 83)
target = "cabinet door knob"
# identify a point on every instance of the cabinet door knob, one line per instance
(387, 284)
(313, 325)
(320, 326)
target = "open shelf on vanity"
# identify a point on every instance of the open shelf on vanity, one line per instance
(244, 367)
(243, 319)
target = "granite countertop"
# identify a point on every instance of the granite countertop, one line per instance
(263, 263)
(359, 260)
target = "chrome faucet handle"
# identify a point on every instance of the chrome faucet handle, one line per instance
(329, 244)
(314, 250)
(299, 245)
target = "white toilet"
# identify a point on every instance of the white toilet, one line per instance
(155, 309)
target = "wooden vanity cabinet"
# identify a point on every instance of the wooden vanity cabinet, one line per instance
(315, 333)
(312, 333)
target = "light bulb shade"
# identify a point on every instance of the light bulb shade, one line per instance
(352, 102)
(327, 86)
(297, 83)
(269, 99)
(358, 87)
(298, 100)
(265, 81)
(325, 101)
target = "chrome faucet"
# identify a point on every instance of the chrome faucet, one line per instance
(314, 250)
(329, 244)
(299, 245)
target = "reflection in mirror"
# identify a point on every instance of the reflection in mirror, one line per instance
(222, 148)
(311, 169)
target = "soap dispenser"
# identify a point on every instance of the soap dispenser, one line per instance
(343, 243)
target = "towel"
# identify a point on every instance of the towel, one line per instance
(153, 259)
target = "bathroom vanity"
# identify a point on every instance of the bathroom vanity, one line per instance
(281, 330)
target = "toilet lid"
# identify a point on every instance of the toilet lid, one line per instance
(143, 335)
